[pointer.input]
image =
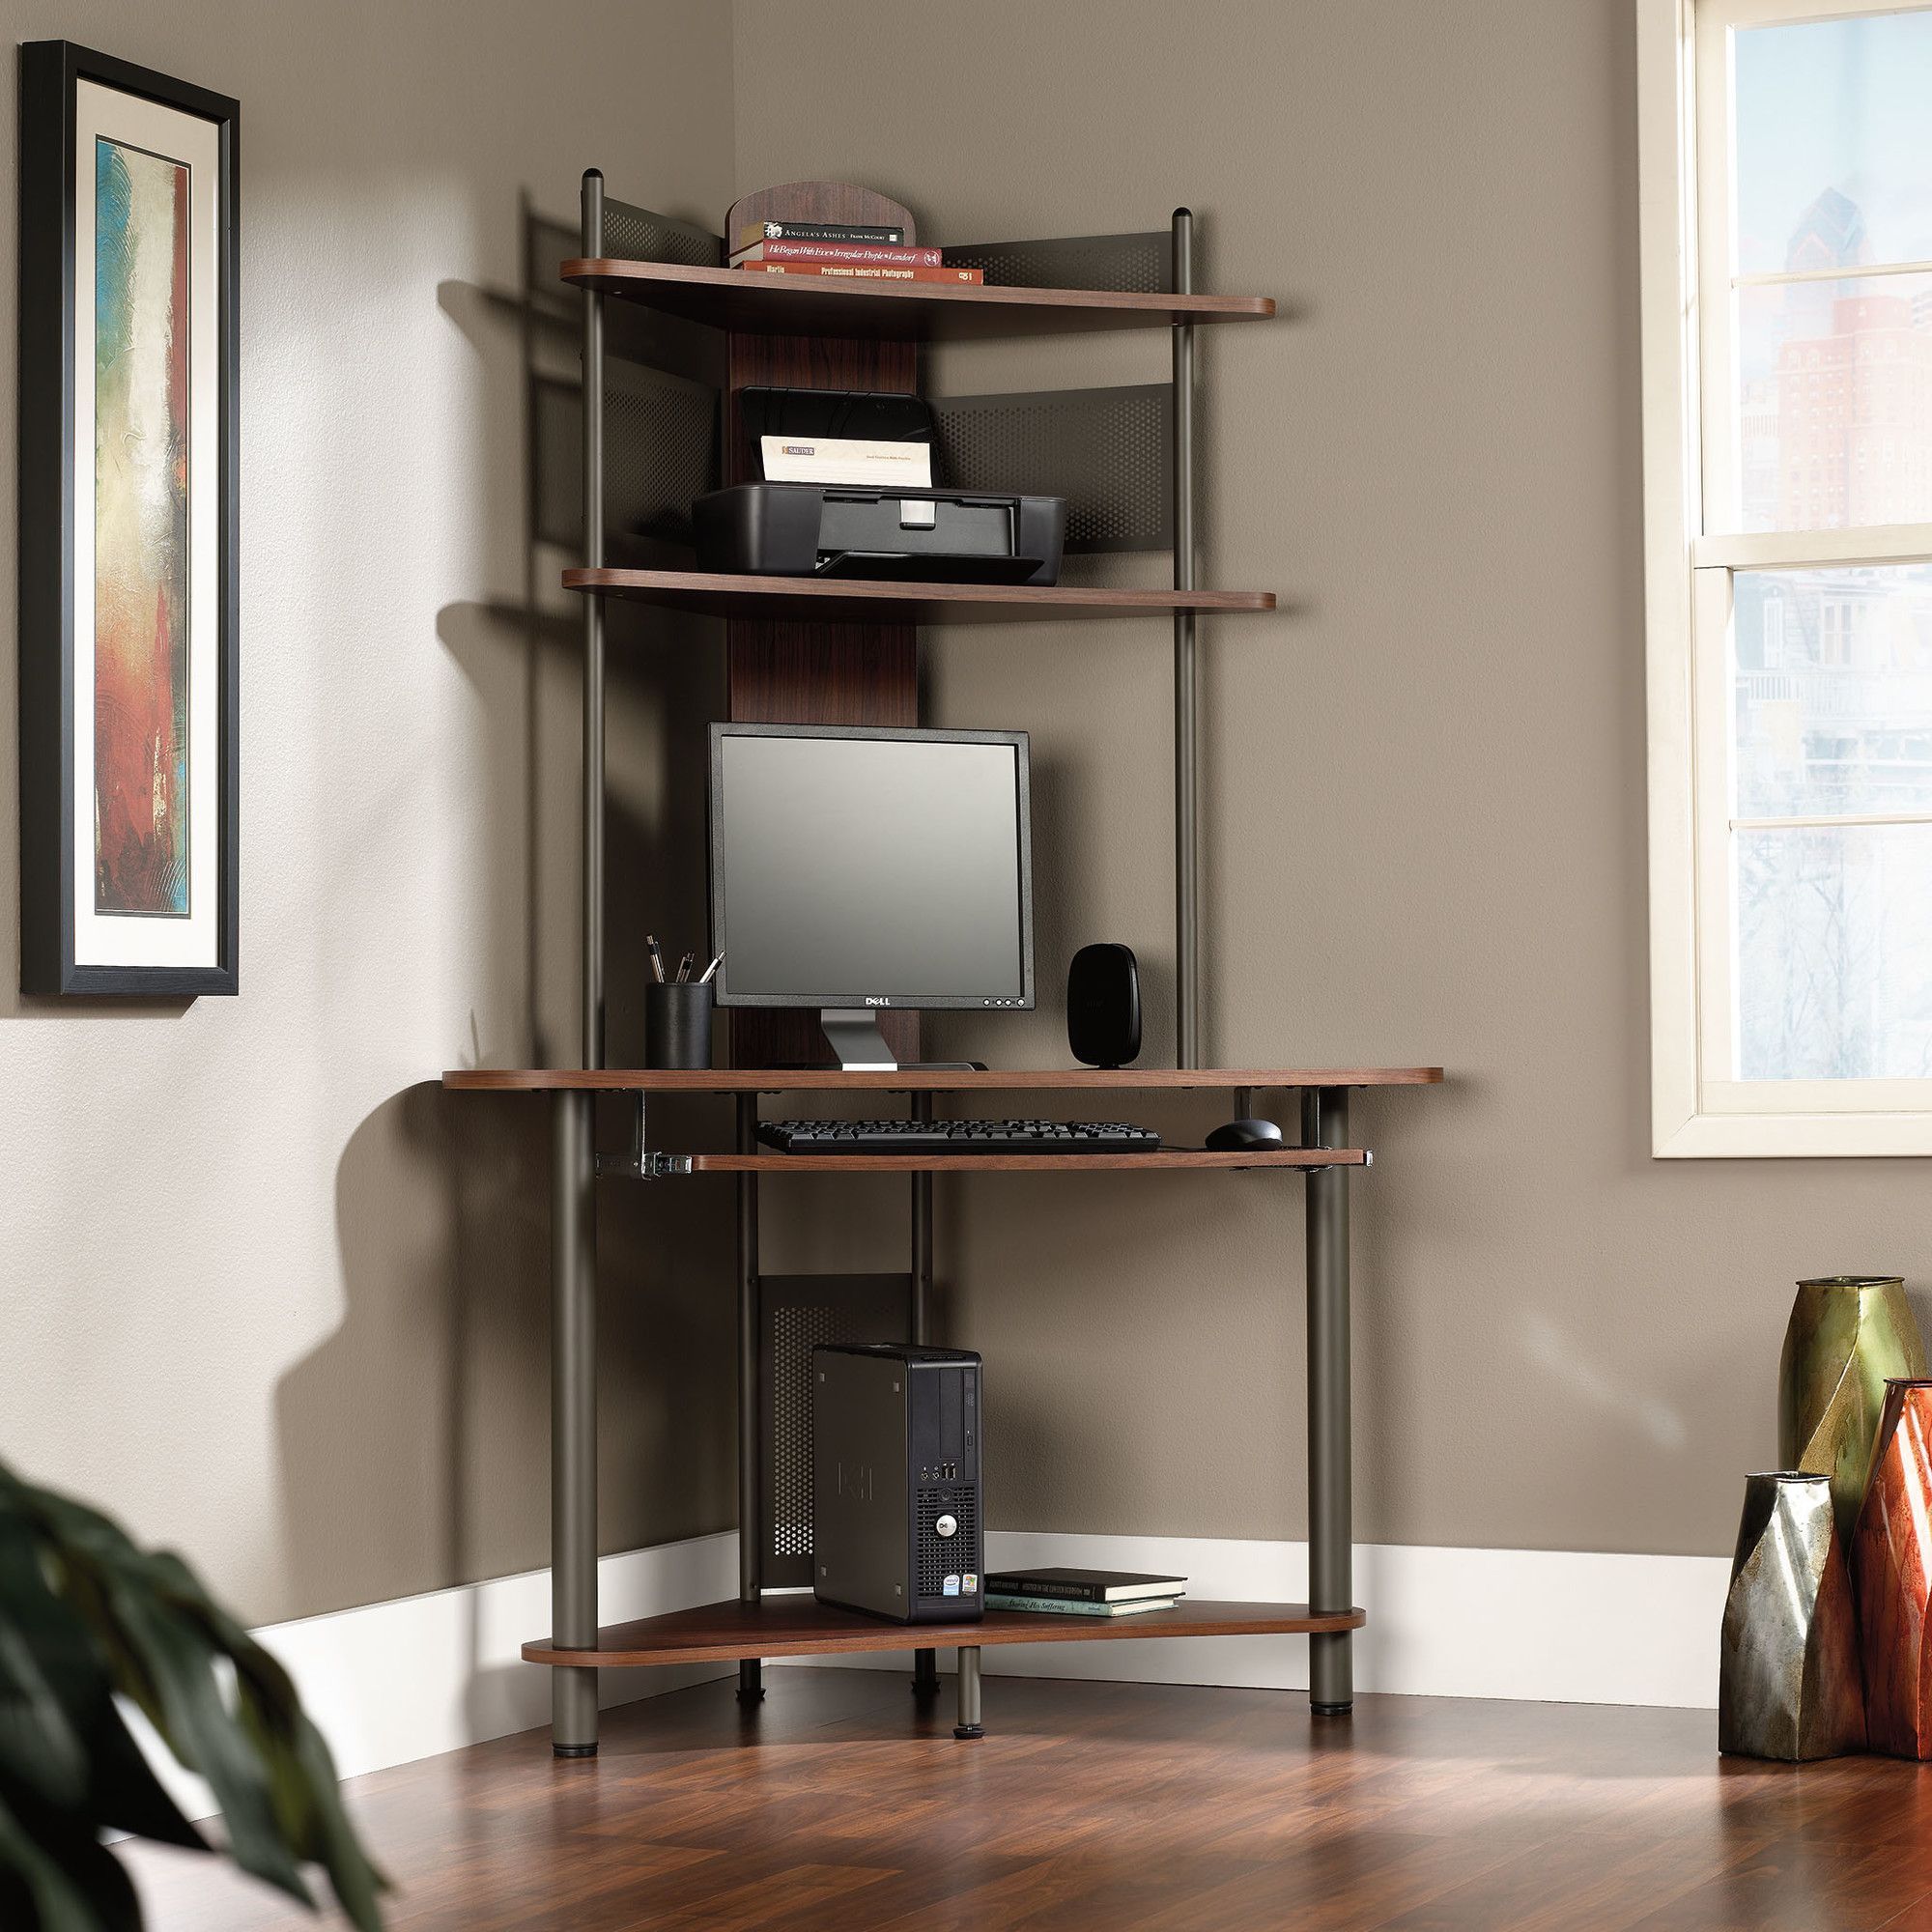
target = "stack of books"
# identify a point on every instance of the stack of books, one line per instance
(854, 250)
(1083, 1593)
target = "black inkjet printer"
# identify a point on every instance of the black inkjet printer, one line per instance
(910, 532)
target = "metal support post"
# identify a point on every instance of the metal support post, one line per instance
(593, 635)
(573, 1391)
(1331, 1683)
(573, 1413)
(969, 1725)
(1186, 683)
(751, 1669)
(924, 1662)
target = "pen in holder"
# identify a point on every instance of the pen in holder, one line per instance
(677, 1024)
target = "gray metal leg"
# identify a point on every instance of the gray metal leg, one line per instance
(924, 1662)
(1331, 1682)
(969, 1725)
(1186, 677)
(751, 1669)
(573, 1410)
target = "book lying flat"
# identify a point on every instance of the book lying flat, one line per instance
(1085, 1586)
(1061, 1606)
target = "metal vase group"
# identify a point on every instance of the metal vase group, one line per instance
(1790, 1685)
(1825, 1622)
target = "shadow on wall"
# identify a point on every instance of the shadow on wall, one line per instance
(414, 1442)
(407, 1438)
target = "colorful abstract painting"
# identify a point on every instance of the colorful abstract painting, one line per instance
(140, 533)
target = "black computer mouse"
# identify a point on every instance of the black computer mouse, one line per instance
(1238, 1134)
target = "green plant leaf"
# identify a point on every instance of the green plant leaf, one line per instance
(61, 1735)
(200, 1729)
(142, 1623)
(71, 1880)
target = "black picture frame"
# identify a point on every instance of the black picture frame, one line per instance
(50, 71)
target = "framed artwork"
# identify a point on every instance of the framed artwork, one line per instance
(129, 725)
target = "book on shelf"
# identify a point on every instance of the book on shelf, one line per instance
(1085, 1586)
(1067, 1607)
(750, 233)
(861, 254)
(854, 272)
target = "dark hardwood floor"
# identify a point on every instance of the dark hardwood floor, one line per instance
(840, 1807)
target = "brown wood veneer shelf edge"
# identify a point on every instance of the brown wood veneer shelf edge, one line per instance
(909, 1080)
(801, 1627)
(833, 305)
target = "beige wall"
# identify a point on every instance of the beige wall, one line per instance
(277, 1299)
(1425, 818)
(262, 1289)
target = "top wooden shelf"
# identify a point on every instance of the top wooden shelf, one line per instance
(759, 304)
(913, 1079)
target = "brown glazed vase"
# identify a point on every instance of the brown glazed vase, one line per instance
(1847, 1335)
(1891, 1571)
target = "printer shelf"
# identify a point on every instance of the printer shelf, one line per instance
(797, 1625)
(855, 600)
(761, 304)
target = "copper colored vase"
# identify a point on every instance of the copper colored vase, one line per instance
(1891, 1571)
(1788, 1686)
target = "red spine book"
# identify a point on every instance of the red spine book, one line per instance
(849, 273)
(860, 254)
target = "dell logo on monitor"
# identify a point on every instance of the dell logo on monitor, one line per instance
(871, 1002)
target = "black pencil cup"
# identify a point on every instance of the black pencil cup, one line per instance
(678, 1025)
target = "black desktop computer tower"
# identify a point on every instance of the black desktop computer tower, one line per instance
(895, 1516)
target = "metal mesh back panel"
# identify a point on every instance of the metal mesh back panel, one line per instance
(1107, 451)
(941, 1557)
(794, 1312)
(1142, 264)
(637, 235)
(660, 451)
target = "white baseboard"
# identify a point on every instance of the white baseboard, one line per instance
(1546, 1624)
(388, 1682)
(392, 1682)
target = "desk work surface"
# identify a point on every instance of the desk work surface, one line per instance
(920, 1080)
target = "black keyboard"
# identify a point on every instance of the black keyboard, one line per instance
(959, 1137)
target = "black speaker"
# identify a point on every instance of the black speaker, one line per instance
(1103, 1005)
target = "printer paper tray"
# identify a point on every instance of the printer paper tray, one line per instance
(927, 567)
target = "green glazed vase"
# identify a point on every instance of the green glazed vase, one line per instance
(1847, 1334)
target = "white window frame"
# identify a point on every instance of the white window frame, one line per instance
(1696, 1109)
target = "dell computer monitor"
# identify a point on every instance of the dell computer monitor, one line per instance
(855, 870)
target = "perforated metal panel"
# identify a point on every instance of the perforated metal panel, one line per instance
(639, 235)
(1109, 452)
(938, 1558)
(796, 1311)
(1143, 264)
(660, 451)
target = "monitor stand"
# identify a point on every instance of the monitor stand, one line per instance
(860, 1047)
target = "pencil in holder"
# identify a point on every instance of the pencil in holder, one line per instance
(678, 1025)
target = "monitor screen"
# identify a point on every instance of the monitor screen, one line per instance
(851, 866)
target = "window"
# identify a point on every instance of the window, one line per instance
(1786, 208)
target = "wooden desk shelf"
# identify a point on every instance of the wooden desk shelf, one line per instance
(799, 1626)
(761, 304)
(916, 1080)
(829, 600)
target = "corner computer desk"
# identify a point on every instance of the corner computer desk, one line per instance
(755, 1625)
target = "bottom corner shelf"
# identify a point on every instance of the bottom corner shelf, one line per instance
(800, 1626)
